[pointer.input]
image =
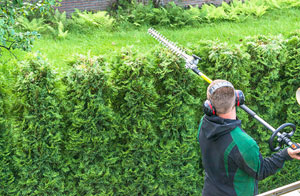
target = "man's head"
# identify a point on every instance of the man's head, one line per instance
(221, 94)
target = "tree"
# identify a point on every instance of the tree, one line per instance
(10, 10)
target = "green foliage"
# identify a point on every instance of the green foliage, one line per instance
(56, 24)
(139, 14)
(269, 55)
(60, 32)
(36, 24)
(6, 148)
(92, 145)
(37, 131)
(172, 15)
(99, 20)
(126, 124)
(156, 98)
(57, 17)
(10, 38)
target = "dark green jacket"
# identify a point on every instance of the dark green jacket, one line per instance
(231, 158)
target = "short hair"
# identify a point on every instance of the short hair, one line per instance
(223, 98)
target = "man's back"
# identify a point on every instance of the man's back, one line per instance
(231, 158)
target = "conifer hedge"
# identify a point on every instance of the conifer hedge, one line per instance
(6, 150)
(127, 124)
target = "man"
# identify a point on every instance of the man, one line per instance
(231, 158)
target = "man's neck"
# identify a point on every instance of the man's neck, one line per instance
(230, 115)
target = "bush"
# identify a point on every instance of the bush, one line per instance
(127, 124)
(158, 120)
(38, 132)
(7, 150)
(92, 145)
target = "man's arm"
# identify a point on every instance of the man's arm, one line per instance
(252, 162)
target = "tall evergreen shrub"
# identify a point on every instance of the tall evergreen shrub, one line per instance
(92, 145)
(180, 110)
(291, 77)
(37, 131)
(159, 106)
(6, 146)
(268, 57)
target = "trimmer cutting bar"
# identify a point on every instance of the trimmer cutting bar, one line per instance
(176, 50)
(190, 61)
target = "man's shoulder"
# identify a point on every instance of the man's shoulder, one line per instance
(243, 141)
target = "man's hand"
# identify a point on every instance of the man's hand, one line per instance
(295, 154)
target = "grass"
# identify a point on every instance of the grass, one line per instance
(97, 42)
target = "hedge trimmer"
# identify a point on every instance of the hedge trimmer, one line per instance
(191, 63)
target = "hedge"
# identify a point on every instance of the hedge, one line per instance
(127, 124)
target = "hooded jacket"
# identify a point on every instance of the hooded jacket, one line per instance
(231, 158)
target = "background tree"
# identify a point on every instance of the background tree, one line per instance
(10, 10)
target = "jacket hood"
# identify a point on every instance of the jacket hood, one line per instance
(214, 126)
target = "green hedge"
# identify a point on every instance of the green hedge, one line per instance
(127, 124)
(38, 131)
(6, 148)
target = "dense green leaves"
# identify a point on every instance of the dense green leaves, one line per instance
(92, 146)
(37, 131)
(6, 148)
(136, 13)
(10, 10)
(127, 124)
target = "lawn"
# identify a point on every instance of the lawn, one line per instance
(101, 42)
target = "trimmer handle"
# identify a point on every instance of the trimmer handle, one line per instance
(283, 137)
(295, 146)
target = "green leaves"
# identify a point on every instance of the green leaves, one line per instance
(39, 130)
(172, 15)
(100, 20)
(10, 38)
(127, 124)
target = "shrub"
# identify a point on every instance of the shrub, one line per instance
(127, 124)
(57, 24)
(157, 124)
(93, 150)
(7, 150)
(37, 131)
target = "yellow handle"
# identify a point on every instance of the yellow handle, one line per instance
(205, 78)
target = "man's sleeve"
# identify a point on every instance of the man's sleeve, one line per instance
(251, 161)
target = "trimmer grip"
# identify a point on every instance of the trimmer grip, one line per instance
(295, 146)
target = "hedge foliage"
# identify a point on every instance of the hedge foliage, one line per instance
(127, 124)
